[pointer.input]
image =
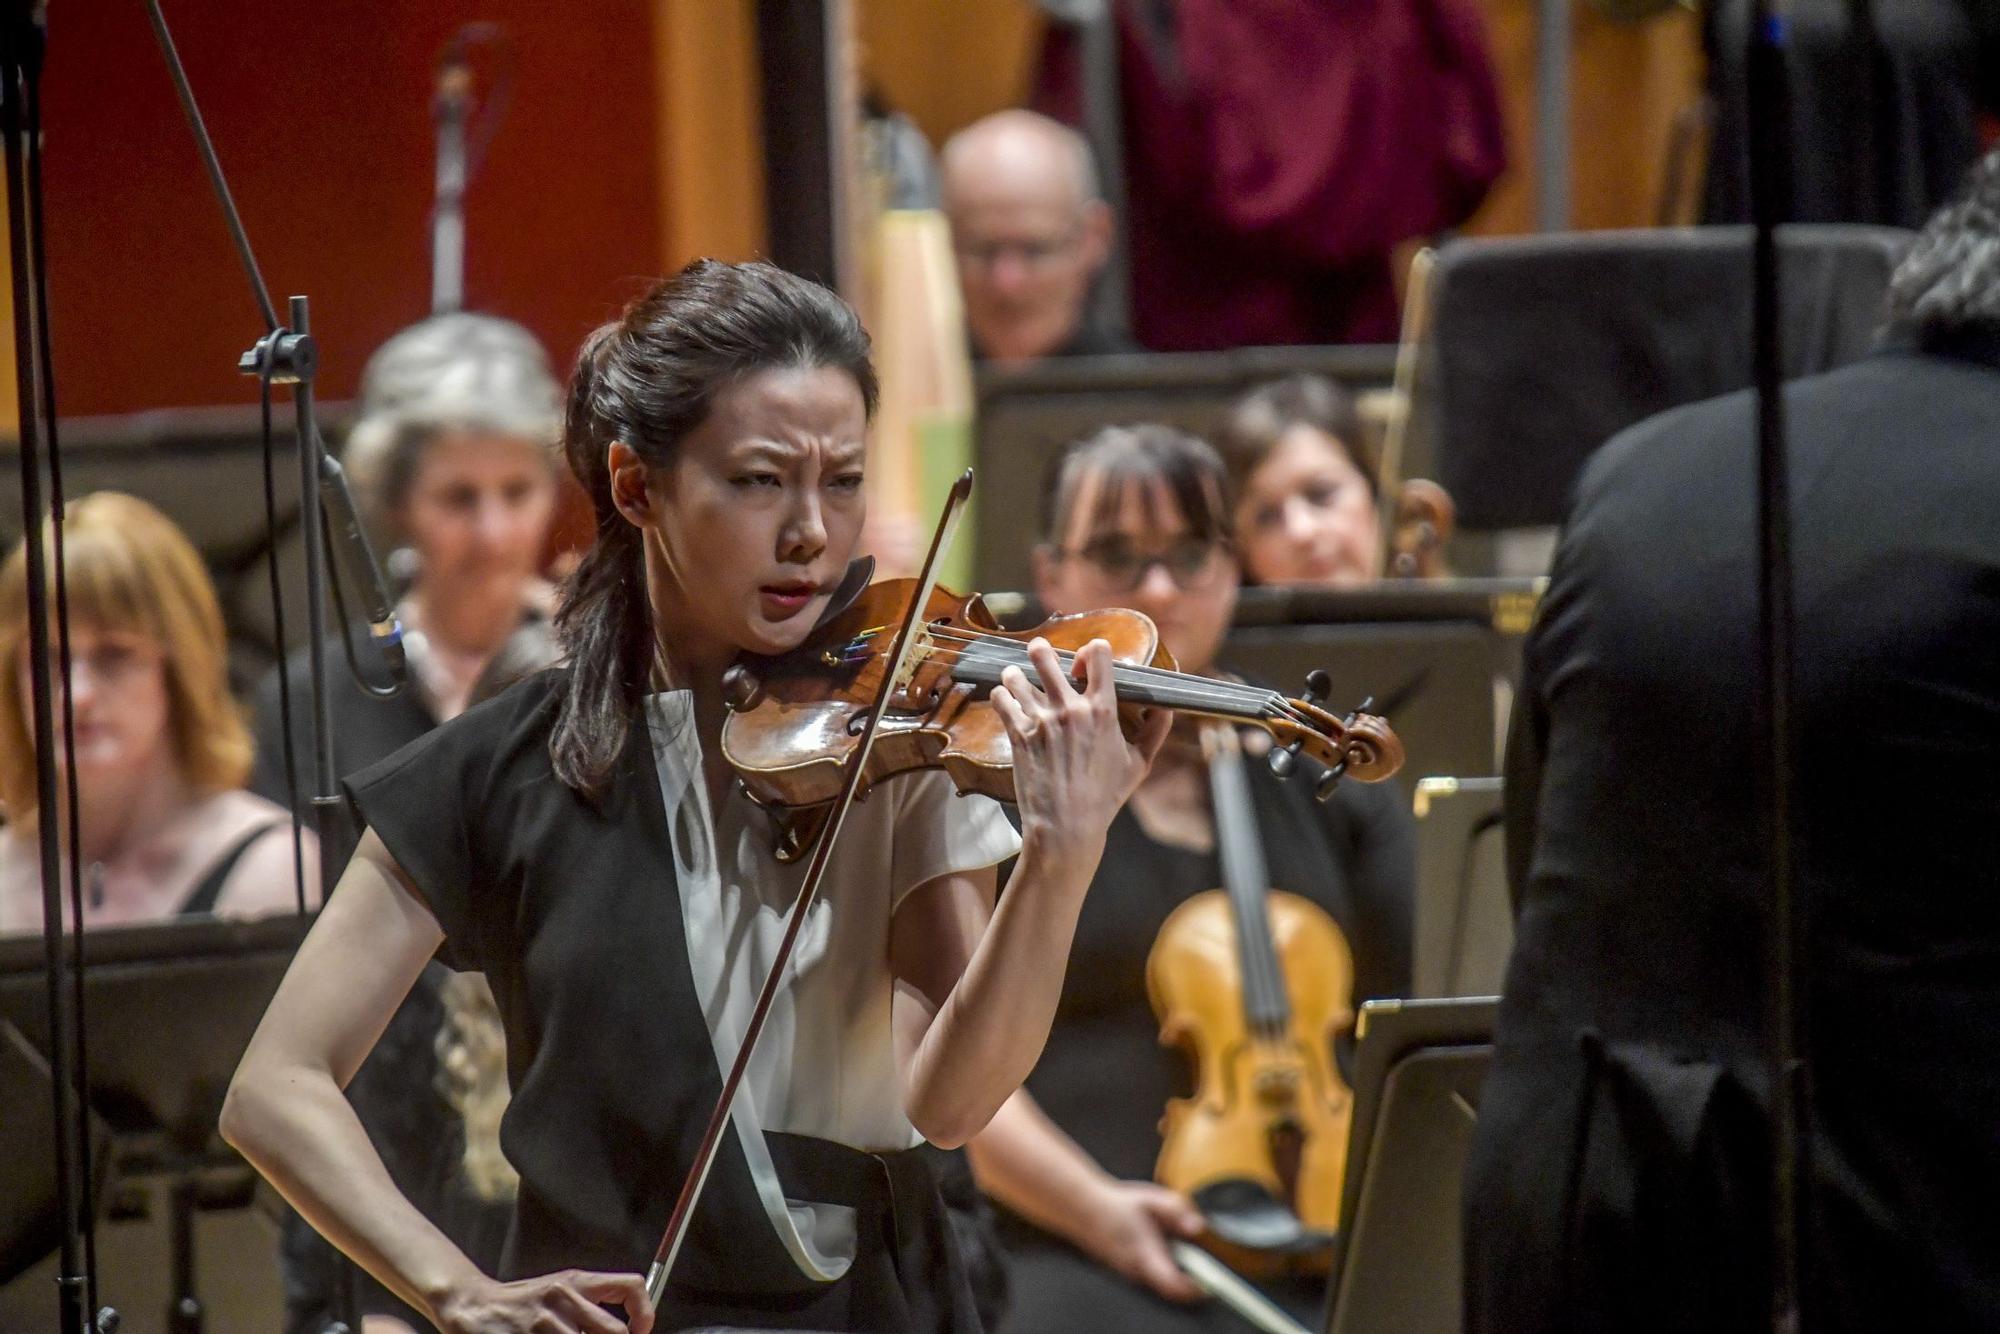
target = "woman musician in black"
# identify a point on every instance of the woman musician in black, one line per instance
(579, 841)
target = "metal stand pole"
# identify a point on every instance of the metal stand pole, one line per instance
(1552, 107)
(1787, 1000)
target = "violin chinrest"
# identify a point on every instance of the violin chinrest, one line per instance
(1247, 1215)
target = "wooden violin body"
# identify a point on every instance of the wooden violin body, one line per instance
(795, 717)
(1425, 517)
(1268, 1107)
(1254, 985)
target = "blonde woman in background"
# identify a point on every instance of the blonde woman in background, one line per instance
(165, 827)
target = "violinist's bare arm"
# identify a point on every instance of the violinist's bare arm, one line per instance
(1025, 1161)
(287, 1114)
(974, 1006)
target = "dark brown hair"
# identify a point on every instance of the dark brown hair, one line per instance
(648, 378)
(1257, 421)
(1125, 455)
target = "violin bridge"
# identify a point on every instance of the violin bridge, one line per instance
(920, 648)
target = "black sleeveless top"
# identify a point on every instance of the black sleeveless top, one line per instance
(572, 912)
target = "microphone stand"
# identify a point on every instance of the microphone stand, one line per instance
(1787, 975)
(454, 89)
(287, 355)
(23, 42)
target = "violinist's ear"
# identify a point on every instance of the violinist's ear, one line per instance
(630, 491)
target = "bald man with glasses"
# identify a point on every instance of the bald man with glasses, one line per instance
(1031, 232)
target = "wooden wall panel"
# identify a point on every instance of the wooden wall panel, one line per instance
(1628, 82)
(946, 63)
(711, 166)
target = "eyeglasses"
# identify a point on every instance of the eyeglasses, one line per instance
(1032, 254)
(1193, 563)
(110, 661)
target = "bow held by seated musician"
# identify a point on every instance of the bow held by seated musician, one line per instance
(579, 840)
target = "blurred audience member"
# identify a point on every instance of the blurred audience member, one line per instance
(1031, 232)
(161, 753)
(1306, 483)
(453, 465)
(1276, 154)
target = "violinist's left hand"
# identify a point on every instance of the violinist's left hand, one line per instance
(1073, 767)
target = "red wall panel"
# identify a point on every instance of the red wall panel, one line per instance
(320, 111)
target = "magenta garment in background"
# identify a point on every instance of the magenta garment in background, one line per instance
(1278, 150)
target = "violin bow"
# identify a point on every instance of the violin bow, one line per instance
(711, 1140)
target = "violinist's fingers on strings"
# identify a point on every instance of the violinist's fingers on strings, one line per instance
(1096, 666)
(1055, 681)
(1011, 715)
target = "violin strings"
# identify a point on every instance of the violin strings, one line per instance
(1187, 688)
(1013, 652)
(1168, 688)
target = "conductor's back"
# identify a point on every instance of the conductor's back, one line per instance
(1620, 1177)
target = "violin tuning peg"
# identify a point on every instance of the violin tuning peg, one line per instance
(1318, 685)
(1284, 760)
(1329, 783)
(741, 691)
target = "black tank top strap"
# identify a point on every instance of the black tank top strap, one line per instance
(202, 900)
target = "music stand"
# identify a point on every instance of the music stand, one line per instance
(1541, 348)
(1465, 921)
(1418, 1069)
(170, 1007)
(30, 1212)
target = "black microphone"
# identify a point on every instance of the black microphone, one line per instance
(358, 567)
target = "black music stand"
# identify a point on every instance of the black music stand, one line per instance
(30, 1212)
(171, 1008)
(1541, 348)
(1418, 1069)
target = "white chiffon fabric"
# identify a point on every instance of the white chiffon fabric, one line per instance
(826, 1064)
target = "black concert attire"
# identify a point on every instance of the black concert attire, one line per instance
(1619, 1176)
(575, 912)
(1105, 1079)
(365, 729)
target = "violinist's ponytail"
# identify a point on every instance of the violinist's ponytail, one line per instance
(647, 379)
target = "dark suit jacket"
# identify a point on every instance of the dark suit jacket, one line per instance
(1619, 1176)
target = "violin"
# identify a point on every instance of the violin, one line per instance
(795, 718)
(1425, 517)
(897, 676)
(1254, 984)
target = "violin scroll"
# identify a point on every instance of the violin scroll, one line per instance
(1361, 745)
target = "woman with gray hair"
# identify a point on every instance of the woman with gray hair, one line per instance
(453, 465)
(454, 470)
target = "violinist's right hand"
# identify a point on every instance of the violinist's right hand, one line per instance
(567, 1301)
(1126, 1226)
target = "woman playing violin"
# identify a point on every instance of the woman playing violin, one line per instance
(1140, 517)
(579, 840)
